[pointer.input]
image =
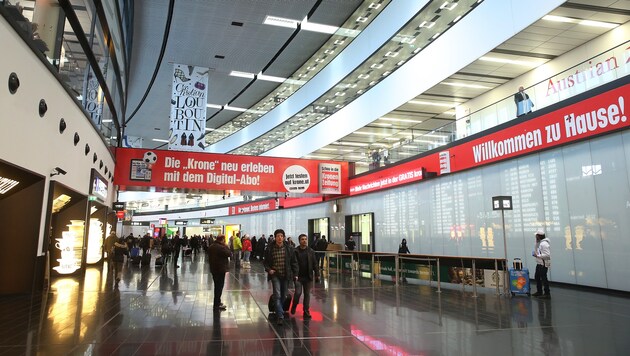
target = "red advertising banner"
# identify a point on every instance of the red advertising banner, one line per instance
(256, 207)
(176, 169)
(590, 117)
(403, 173)
(593, 116)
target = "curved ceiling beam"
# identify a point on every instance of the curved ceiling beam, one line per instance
(391, 19)
(456, 48)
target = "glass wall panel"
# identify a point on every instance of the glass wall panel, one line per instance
(556, 217)
(584, 238)
(609, 171)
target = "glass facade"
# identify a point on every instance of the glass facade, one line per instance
(75, 43)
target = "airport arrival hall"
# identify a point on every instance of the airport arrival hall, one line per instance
(315, 177)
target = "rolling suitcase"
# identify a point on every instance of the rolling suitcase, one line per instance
(146, 259)
(272, 304)
(519, 281)
(135, 260)
(159, 261)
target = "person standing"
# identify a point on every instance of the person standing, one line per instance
(247, 251)
(321, 246)
(218, 254)
(350, 244)
(145, 243)
(109, 247)
(402, 248)
(236, 247)
(282, 266)
(176, 246)
(120, 249)
(542, 253)
(523, 104)
(307, 269)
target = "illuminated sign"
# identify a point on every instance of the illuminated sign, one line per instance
(136, 223)
(206, 221)
(181, 222)
(118, 206)
(99, 187)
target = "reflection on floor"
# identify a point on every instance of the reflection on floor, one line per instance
(166, 311)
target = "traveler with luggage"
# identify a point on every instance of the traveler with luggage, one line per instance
(542, 252)
(307, 271)
(282, 267)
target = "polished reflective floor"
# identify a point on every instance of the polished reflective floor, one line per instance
(167, 311)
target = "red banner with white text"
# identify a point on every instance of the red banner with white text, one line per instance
(192, 170)
(590, 117)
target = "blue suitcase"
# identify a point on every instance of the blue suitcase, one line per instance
(519, 281)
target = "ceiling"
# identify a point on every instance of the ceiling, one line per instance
(228, 36)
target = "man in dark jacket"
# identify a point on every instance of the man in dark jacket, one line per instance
(307, 268)
(218, 254)
(281, 265)
(321, 246)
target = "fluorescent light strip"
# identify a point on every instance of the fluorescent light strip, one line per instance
(464, 85)
(509, 61)
(583, 22)
(270, 78)
(159, 140)
(444, 105)
(7, 184)
(401, 120)
(280, 21)
(236, 73)
(214, 106)
(316, 27)
(234, 108)
(372, 133)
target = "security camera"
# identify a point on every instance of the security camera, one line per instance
(57, 170)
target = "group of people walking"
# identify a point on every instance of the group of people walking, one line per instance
(283, 263)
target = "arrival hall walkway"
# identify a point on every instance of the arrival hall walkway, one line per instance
(169, 312)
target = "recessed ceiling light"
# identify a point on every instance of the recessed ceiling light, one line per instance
(234, 108)
(361, 19)
(236, 73)
(429, 103)
(280, 21)
(376, 66)
(448, 6)
(464, 85)
(426, 24)
(401, 120)
(270, 78)
(317, 27)
(509, 61)
(391, 54)
(372, 133)
(363, 76)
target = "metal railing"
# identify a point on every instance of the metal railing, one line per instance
(435, 263)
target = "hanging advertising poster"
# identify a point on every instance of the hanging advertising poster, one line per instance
(188, 108)
(193, 170)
